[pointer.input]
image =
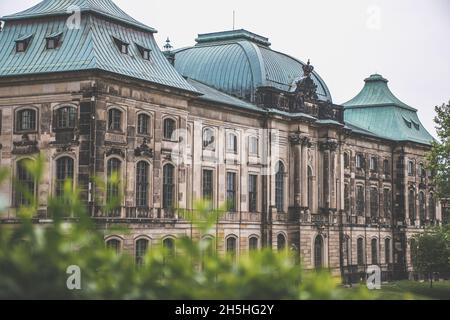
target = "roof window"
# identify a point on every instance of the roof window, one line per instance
(416, 125)
(23, 42)
(407, 122)
(121, 45)
(145, 52)
(53, 40)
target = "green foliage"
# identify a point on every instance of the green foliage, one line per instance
(439, 156)
(34, 259)
(431, 252)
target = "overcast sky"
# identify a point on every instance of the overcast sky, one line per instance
(407, 41)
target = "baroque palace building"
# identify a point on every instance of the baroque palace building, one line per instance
(230, 120)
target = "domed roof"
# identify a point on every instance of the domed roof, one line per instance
(238, 62)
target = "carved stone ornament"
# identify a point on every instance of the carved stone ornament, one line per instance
(300, 139)
(306, 90)
(25, 146)
(115, 151)
(330, 144)
(143, 150)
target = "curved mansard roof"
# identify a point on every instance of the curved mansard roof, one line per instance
(91, 46)
(238, 62)
(376, 110)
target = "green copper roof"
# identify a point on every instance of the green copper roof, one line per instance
(376, 93)
(65, 7)
(89, 47)
(376, 111)
(238, 62)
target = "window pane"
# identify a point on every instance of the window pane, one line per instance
(252, 193)
(281, 242)
(360, 251)
(253, 243)
(374, 247)
(142, 184)
(114, 166)
(208, 185)
(64, 171)
(168, 186)
(169, 129)
(115, 119)
(141, 251)
(279, 188)
(318, 252)
(25, 190)
(26, 120)
(231, 191)
(143, 124)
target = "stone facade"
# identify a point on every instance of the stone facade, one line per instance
(315, 177)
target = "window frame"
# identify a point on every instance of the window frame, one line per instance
(231, 184)
(59, 179)
(18, 121)
(141, 126)
(169, 185)
(113, 112)
(72, 111)
(232, 143)
(142, 192)
(166, 122)
(253, 193)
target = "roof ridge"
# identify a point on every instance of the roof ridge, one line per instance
(106, 8)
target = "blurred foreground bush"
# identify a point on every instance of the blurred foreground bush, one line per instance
(34, 259)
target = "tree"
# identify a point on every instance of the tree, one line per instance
(439, 156)
(430, 252)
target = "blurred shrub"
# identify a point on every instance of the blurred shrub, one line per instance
(34, 259)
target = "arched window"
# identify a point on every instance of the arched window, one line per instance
(279, 187)
(142, 184)
(346, 249)
(422, 209)
(310, 188)
(346, 161)
(413, 250)
(318, 252)
(360, 251)
(26, 120)
(374, 202)
(360, 204)
(232, 145)
(432, 207)
(169, 128)
(168, 186)
(281, 242)
(387, 250)
(169, 247)
(253, 243)
(253, 145)
(422, 171)
(141, 251)
(374, 249)
(114, 119)
(64, 172)
(208, 139)
(114, 244)
(143, 124)
(26, 189)
(411, 205)
(66, 118)
(112, 187)
(410, 168)
(232, 246)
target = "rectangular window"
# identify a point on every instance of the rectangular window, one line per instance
(231, 191)
(359, 161)
(386, 169)
(346, 198)
(253, 146)
(208, 185)
(387, 203)
(252, 193)
(360, 200)
(374, 202)
(373, 164)
(232, 143)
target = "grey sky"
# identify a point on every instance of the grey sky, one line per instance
(407, 41)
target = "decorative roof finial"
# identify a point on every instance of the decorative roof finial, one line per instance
(308, 69)
(168, 47)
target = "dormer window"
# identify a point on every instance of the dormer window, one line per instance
(145, 52)
(53, 40)
(22, 43)
(121, 45)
